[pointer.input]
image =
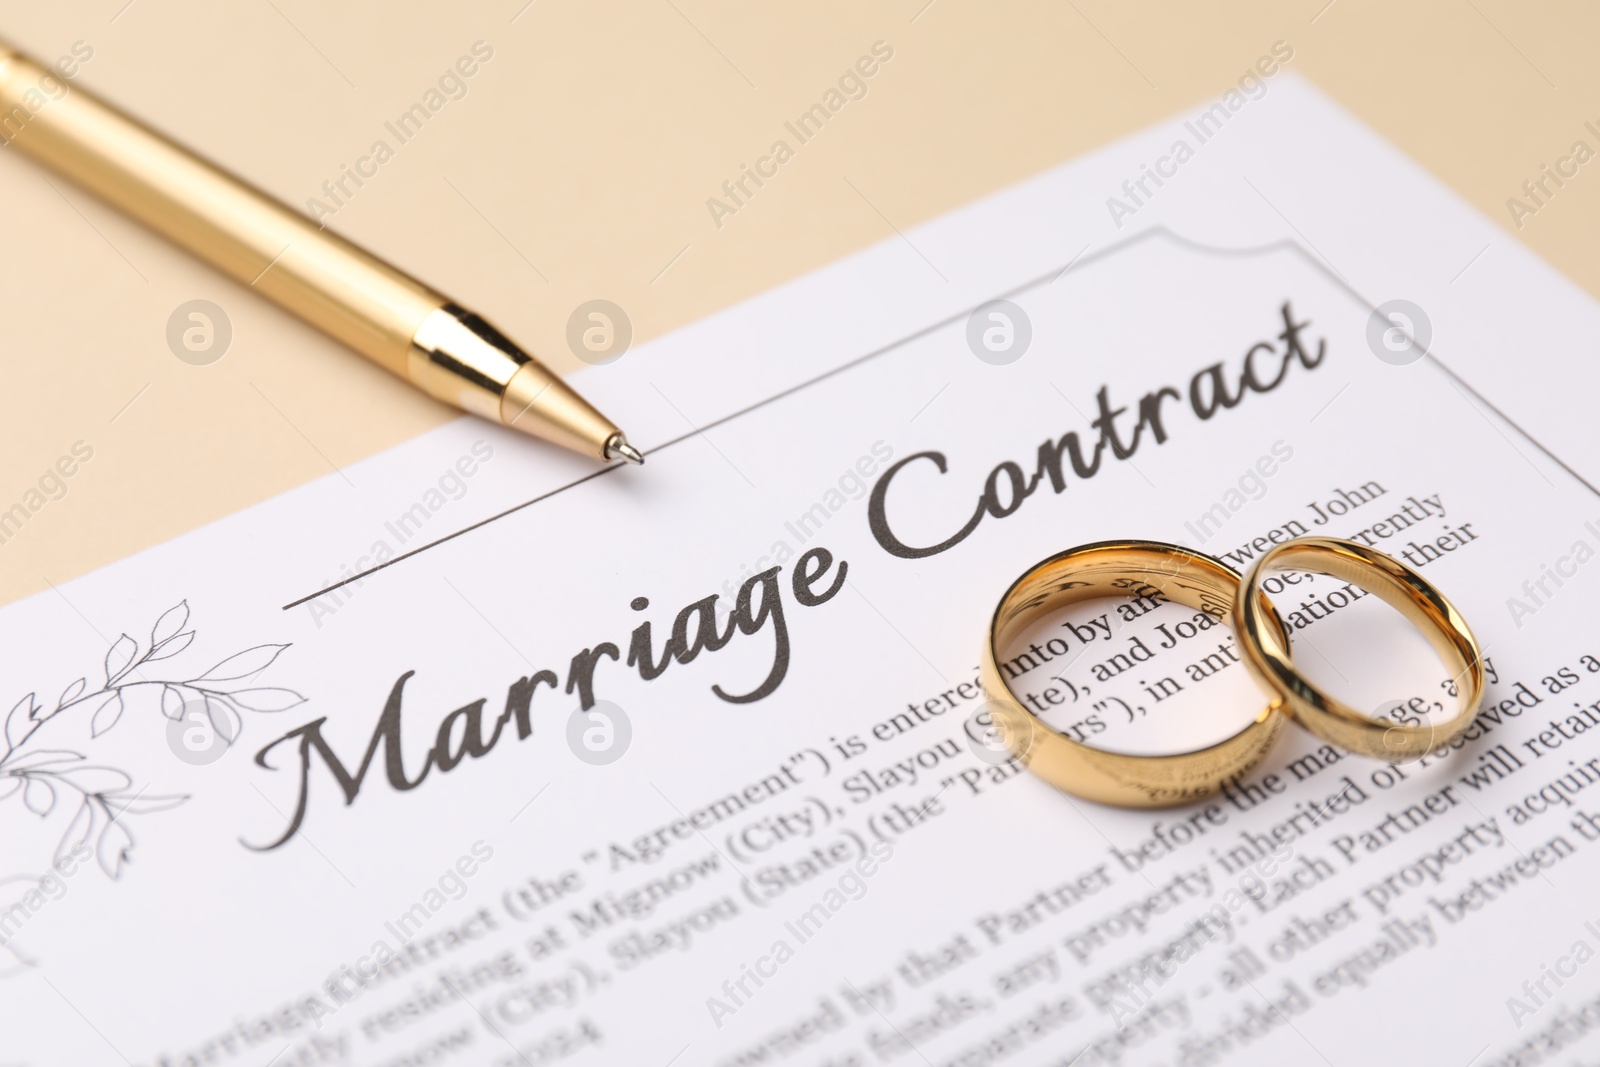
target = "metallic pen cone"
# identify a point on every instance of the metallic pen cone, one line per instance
(619, 448)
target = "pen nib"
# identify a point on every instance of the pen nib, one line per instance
(619, 448)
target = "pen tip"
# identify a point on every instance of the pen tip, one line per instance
(619, 448)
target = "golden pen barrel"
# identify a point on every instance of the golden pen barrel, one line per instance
(384, 314)
(241, 231)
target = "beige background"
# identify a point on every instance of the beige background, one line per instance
(579, 164)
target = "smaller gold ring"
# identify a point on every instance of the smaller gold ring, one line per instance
(1128, 569)
(1267, 655)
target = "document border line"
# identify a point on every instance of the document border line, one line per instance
(1048, 276)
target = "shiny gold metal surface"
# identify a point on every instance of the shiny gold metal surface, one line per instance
(379, 311)
(463, 360)
(1266, 651)
(1123, 569)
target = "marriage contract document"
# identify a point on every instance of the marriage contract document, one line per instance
(476, 754)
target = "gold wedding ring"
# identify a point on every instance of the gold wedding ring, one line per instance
(1261, 639)
(1124, 569)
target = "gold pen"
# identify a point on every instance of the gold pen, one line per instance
(351, 295)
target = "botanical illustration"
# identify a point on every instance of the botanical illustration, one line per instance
(39, 777)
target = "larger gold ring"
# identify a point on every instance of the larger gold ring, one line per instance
(1129, 569)
(1267, 656)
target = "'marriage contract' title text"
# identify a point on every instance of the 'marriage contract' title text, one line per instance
(1211, 389)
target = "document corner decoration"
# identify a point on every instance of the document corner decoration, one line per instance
(42, 776)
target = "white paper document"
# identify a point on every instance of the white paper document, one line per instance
(474, 754)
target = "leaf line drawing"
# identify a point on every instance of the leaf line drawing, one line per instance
(44, 778)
